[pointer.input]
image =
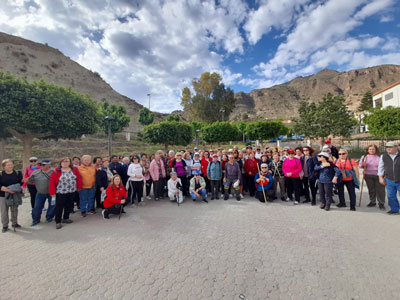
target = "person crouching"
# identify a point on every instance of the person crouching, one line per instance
(116, 195)
(197, 187)
(264, 180)
(175, 188)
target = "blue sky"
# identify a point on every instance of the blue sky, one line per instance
(159, 46)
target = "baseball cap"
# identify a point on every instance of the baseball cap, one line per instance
(324, 154)
(390, 144)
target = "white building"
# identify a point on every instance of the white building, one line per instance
(389, 96)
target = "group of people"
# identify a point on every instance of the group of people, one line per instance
(111, 183)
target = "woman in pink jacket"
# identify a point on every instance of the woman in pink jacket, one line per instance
(291, 169)
(157, 173)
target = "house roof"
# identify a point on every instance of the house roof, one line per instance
(387, 88)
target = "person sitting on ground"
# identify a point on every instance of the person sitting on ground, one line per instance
(264, 180)
(175, 188)
(197, 187)
(116, 196)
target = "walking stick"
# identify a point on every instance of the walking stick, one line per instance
(262, 185)
(120, 211)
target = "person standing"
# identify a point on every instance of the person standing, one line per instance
(251, 168)
(136, 179)
(115, 166)
(76, 162)
(370, 163)
(33, 166)
(389, 175)
(41, 178)
(291, 168)
(275, 167)
(232, 178)
(179, 167)
(9, 177)
(101, 180)
(158, 173)
(308, 161)
(64, 181)
(204, 165)
(88, 174)
(333, 149)
(116, 196)
(214, 175)
(145, 163)
(125, 165)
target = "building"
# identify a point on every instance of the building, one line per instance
(389, 96)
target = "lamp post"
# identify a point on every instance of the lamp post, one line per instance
(149, 100)
(222, 111)
(197, 137)
(109, 119)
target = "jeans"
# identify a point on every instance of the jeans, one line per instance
(392, 189)
(87, 199)
(325, 193)
(40, 201)
(202, 193)
(351, 189)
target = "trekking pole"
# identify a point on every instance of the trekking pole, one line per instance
(120, 211)
(262, 185)
(362, 182)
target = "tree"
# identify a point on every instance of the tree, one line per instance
(366, 102)
(4, 134)
(219, 132)
(330, 116)
(176, 118)
(121, 118)
(43, 110)
(210, 102)
(241, 127)
(168, 133)
(146, 117)
(263, 130)
(384, 122)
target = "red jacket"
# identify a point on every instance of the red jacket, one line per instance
(114, 195)
(55, 177)
(204, 165)
(251, 165)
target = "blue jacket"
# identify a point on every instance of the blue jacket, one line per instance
(326, 174)
(311, 162)
(267, 186)
(214, 170)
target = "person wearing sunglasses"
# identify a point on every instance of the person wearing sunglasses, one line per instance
(264, 181)
(33, 166)
(179, 166)
(292, 168)
(348, 167)
(308, 161)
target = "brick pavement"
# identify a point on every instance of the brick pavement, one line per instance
(220, 250)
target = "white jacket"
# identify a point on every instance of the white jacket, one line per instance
(172, 185)
(135, 169)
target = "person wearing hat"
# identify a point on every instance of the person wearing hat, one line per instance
(33, 166)
(258, 153)
(175, 188)
(264, 181)
(275, 167)
(197, 187)
(196, 163)
(232, 177)
(334, 150)
(291, 168)
(41, 179)
(328, 174)
(251, 168)
(389, 175)
(214, 175)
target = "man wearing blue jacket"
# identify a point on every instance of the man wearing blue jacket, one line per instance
(214, 174)
(264, 180)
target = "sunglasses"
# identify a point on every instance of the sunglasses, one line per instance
(305, 150)
(342, 153)
(264, 168)
(33, 160)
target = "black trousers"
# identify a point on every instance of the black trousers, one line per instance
(208, 185)
(269, 194)
(293, 184)
(158, 187)
(251, 186)
(136, 188)
(76, 199)
(148, 186)
(214, 188)
(64, 204)
(309, 185)
(351, 189)
(115, 210)
(185, 186)
(32, 191)
(97, 197)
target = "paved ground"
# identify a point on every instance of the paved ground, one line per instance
(220, 250)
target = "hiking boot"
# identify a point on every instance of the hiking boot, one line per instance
(381, 206)
(391, 212)
(306, 201)
(58, 226)
(34, 223)
(105, 214)
(205, 200)
(341, 205)
(17, 226)
(5, 229)
(353, 208)
(238, 198)
(322, 206)
(371, 204)
(67, 221)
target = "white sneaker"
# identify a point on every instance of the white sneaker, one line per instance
(148, 198)
(295, 203)
(241, 196)
(287, 199)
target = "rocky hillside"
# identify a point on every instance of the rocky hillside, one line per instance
(282, 101)
(24, 58)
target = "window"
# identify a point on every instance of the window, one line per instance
(388, 96)
(378, 102)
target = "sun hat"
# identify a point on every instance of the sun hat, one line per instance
(324, 154)
(390, 144)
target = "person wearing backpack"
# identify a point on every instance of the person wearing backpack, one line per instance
(328, 175)
(214, 175)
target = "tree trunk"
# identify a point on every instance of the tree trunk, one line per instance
(166, 146)
(2, 149)
(27, 142)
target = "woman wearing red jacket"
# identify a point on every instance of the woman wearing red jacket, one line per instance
(251, 169)
(204, 166)
(116, 195)
(64, 182)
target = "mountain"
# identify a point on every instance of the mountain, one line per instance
(283, 101)
(24, 58)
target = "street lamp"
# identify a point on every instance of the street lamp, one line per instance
(109, 120)
(222, 111)
(149, 100)
(197, 137)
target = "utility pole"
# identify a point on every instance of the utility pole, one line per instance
(222, 111)
(149, 100)
(109, 119)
